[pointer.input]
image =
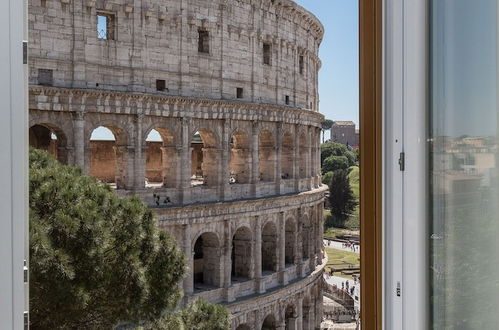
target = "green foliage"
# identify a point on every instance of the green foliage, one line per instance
(326, 178)
(336, 156)
(335, 163)
(327, 124)
(341, 197)
(95, 259)
(198, 315)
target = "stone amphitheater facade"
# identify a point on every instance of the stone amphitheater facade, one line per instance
(230, 86)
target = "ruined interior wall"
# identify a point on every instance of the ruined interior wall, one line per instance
(154, 163)
(103, 160)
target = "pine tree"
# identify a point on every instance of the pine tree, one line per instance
(96, 260)
(341, 197)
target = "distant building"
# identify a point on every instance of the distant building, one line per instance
(344, 132)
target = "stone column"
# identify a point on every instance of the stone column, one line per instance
(299, 252)
(79, 141)
(124, 161)
(185, 155)
(281, 260)
(296, 154)
(139, 161)
(309, 162)
(320, 220)
(255, 171)
(278, 166)
(260, 287)
(223, 177)
(311, 315)
(227, 262)
(169, 166)
(319, 307)
(299, 313)
(188, 251)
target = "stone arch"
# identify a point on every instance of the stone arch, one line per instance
(269, 323)
(109, 155)
(50, 138)
(241, 254)
(161, 158)
(303, 156)
(207, 263)
(269, 247)
(240, 157)
(205, 158)
(287, 156)
(290, 317)
(290, 241)
(306, 236)
(266, 156)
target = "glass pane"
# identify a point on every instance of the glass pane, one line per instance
(463, 165)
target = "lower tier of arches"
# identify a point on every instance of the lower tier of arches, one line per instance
(240, 251)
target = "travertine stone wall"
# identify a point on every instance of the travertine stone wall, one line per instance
(159, 40)
(236, 177)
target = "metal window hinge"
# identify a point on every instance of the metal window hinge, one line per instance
(402, 161)
(25, 52)
(399, 290)
(26, 320)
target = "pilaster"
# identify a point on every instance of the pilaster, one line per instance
(185, 152)
(79, 140)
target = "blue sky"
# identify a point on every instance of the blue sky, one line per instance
(339, 52)
(338, 77)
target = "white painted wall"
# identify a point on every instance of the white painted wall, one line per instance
(13, 164)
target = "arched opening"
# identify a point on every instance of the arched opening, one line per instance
(109, 155)
(161, 159)
(269, 247)
(266, 156)
(240, 158)
(241, 255)
(287, 156)
(306, 314)
(205, 159)
(206, 262)
(290, 317)
(269, 323)
(51, 139)
(302, 157)
(306, 237)
(243, 327)
(290, 242)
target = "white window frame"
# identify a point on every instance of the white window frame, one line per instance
(13, 165)
(405, 206)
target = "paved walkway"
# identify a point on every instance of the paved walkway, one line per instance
(339, 246)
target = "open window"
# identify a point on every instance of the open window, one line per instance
(106, 23)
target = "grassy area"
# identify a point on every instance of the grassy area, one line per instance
(336, 232)
(338, 256)
(353, 176)
(353, 221)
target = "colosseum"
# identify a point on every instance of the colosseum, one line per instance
(211, 114)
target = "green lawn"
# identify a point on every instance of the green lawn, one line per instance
(338, 256)
(353, 221)
(336, 232)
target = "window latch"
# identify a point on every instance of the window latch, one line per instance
(402, 161)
